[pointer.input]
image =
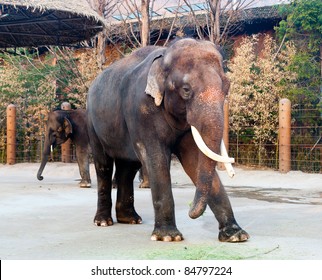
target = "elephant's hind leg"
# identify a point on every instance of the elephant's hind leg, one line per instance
(124, 175)
(144, 180)
(82, 155)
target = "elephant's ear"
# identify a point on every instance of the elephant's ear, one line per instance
(67, 127)
(155, 81)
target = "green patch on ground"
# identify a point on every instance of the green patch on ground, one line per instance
(201, 252)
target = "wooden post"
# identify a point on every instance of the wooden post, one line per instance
(65, 106)
(11, 134)
(225, 137)
(284, 135)
(66, 147)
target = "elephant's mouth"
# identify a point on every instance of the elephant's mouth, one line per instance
(224, 158)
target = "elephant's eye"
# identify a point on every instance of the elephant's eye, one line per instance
(186, 88)
(186, 92)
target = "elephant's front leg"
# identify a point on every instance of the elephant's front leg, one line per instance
(229, 230)
(103, 215)
(209, 190)
(165, 228)
(82, 155)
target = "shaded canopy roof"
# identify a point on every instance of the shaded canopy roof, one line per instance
(26, 23)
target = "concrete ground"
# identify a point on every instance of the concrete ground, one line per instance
(52, 219)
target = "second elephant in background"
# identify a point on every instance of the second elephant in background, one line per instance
(61, 126)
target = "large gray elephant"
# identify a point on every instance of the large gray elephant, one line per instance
(148, 106)
(61, 126)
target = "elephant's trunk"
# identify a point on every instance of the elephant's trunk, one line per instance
(208, 138)
(214, 156)
(44, 160)
(205, 185)
(198, 205)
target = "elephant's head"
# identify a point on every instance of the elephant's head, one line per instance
(59, 129)
(189, 81)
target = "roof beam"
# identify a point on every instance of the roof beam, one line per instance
(36, 34)
(27, 22)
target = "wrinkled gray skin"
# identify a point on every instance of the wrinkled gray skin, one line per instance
(133, 125)
(61, 126)
(144, 183)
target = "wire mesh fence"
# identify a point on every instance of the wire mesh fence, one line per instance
(253, 155)
(306, 146)
(31, 152)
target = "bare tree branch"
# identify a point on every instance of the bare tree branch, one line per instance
(145, 28)
(197, 23)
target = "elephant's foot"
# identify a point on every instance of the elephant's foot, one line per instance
(128, 217)
(166, 234)
(101, 220)
(85, 184)
(233, 234)
(144, 185)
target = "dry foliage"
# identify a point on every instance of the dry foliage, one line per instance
(258, 80)
(37, 84)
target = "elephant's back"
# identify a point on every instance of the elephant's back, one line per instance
(106, 89)
(108, 82)
(105, 99)
(128, 62)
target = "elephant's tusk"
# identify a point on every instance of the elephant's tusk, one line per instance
(203, 147)
(51, 148)
(228, 166)
(224, 158)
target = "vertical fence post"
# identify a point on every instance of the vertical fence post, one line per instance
(284, 135)
(11, 134)
(66, 147)
(225, 137)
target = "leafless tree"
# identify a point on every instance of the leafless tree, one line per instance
(145, 26)
(135, 25)
(215, 6)
(104, 8)
(131, 23)
(219, 19)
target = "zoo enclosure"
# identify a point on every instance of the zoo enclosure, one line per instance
(298, 144)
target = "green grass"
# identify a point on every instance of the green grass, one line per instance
(197, 252)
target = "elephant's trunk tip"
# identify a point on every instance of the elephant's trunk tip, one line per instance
(40, 178)
(196, 212)
(198, 206)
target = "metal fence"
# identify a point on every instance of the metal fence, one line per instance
(31, 151)
(306, 142)
(306, 146)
